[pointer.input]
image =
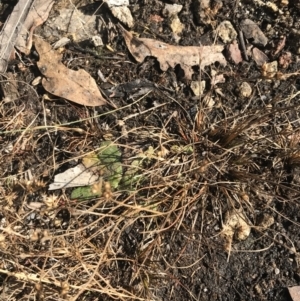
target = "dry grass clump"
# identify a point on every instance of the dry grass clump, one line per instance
(132, 243)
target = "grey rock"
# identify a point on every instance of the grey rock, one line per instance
(252, 31)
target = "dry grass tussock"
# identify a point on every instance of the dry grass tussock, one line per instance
(129, 244)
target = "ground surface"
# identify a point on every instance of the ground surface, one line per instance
(164, 238)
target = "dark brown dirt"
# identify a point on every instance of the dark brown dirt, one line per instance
(241, 146)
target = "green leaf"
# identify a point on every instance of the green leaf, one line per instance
(131, 176)
(109, 167)
(109, 153)
(83, 193)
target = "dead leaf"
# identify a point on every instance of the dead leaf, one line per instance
(280, 45)
(11, 30)
(120, 10)
(111, 3)
(170, 55)
(123, 14)
(294, 292)
(37, 15)
(74, 177)
(77, 86)
(171, 11)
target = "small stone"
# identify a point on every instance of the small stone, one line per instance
(172, 9)
(252, 31)
(97, 41)
(177, 27)
(226, 32)
(234, 53)
(245, 90)
(37, 81)
(285, 59)
(269, 70)
(112, 3)
(218, 78)
(198, 87)
(272, 6)
(259, 57)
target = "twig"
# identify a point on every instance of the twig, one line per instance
(241, 37)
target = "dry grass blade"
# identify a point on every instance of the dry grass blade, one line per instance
(184, 191)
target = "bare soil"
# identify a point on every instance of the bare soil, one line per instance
(163, 239)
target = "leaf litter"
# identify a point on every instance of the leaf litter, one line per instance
(120, 10)
(19, 27)
(170, 55)
(99, 183)
(77, 86)
(73, 23)
(90, 177)
(102, 171)
(37, 15)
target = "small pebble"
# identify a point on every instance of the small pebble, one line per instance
(252, 31)
(234, 53)
(226, 32)
(198, 87)
(269, 70)
(172, 9)
(245, 90)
